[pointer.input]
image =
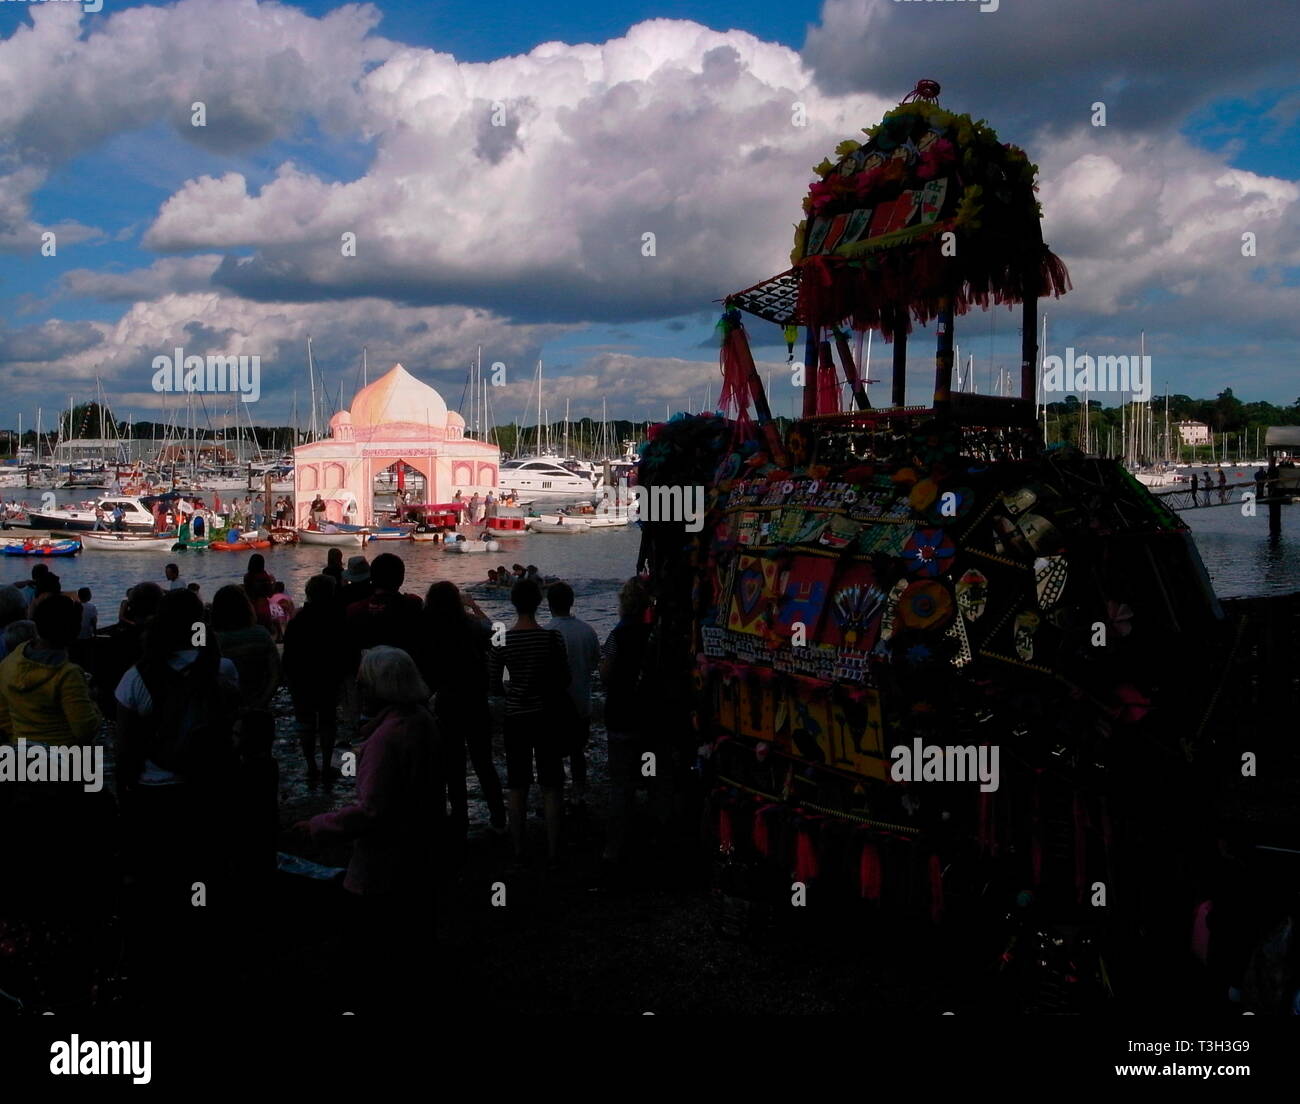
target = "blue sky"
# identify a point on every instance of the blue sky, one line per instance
(326, 119)
(488, 31)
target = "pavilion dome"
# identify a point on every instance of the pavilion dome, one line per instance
(454, 419)
(395, 397)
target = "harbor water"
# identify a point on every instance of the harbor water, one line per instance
(1243, 562)
(1241, 559)
(595, 564)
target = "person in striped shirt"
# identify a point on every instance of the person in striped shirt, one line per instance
(538, 714)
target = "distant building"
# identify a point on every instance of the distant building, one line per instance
(1194, 433)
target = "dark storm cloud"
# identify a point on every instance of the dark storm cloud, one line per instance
(1036, 62)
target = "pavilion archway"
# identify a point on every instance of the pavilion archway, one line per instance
(388, 479)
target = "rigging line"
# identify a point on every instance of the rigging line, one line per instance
(463, 392)
(355, 378)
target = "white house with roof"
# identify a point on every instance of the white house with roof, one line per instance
(1193, 433)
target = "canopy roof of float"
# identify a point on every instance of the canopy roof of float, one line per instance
(931, 205)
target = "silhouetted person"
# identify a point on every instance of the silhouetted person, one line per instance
(536, 706)
(176, 770)
(622, 661)
(387, 616)
(316, 667)
(582, 648)
(457, 639)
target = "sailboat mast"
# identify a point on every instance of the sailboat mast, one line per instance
(1042, 360)
(471, 423)
(1144, 451)
(311, 376)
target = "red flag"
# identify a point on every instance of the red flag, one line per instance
(401, 476)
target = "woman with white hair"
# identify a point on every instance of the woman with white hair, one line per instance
(395, 818)
(395, 825)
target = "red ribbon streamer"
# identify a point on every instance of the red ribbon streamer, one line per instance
(871, 874)
(936, 889)
(805, 856)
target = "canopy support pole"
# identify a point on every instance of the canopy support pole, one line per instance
(851, 371)
(900, 358)
(810, 374)
(943, 355)
(1029, 349)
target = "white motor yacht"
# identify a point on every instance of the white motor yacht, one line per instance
(535, 478)
(138, 518)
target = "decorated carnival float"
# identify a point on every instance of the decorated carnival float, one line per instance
(917, 578)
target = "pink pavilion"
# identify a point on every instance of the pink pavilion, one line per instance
(396, 418)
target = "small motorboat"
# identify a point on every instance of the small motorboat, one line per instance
(337, 539)
(121, 541)
(505, 521)
(568, 527)
(41, 546)
(591, 521)
(402, 533)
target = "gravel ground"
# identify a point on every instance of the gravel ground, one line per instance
(645, 945)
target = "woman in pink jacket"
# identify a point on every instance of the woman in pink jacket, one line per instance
(396, 824)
